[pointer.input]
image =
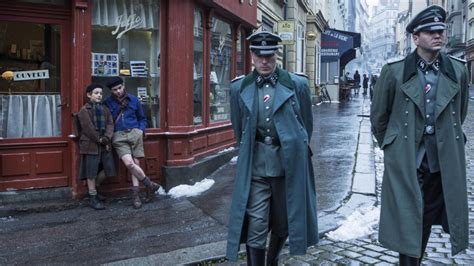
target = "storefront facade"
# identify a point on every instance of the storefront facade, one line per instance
(178, 57)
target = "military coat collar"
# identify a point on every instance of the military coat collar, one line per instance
(448, 85)
(284, 89)
(411, 63)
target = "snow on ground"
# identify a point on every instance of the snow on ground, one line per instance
(187, 190)
(360, 223)
(234, 160)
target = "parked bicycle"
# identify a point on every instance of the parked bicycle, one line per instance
(324, 94)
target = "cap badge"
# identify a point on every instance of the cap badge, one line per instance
(264, 43)
(436, 19)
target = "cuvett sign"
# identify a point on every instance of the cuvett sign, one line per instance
(31, 75)
(334, 43)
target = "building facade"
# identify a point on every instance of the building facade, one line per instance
(177, 57)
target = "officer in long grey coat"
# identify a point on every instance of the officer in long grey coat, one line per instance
(418, 107)
(274, 187)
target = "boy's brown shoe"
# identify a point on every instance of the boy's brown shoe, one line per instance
(150, 191)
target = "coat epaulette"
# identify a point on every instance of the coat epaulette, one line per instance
(301, 74)
(394, 60)
(458, 59)
(237, 78)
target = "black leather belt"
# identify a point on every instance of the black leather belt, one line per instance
(128, 130)
(267, 140)
(429, 130)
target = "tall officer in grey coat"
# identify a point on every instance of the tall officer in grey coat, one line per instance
(418, 108)
(274, 186)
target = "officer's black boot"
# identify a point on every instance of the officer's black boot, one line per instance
(406, 260)
(255, 256)
(276, 244)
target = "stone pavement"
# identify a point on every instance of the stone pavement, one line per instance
(366, 187)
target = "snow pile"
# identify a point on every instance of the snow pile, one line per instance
(187, 190)
(360, 223)
(234, 160)
(226, 150)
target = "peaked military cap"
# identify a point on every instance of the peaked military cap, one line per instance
(429, 19)
(264, 43)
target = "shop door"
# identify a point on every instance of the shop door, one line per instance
(35, 87)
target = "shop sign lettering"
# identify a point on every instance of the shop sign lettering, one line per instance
(125, 24)
(31, 75)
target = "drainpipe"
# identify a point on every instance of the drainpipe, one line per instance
(285, 3)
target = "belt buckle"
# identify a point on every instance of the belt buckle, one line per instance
(267, 140)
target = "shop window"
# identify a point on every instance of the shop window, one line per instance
(240, 53)
(126, 43)
(221, 62)
(198, 68)
(30, 92)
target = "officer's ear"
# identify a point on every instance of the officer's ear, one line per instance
(416, 37)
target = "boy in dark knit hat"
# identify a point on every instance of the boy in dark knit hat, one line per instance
(97, 128)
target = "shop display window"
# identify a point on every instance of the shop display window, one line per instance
(126, 43)
(240, 53)
(198, 67)
(30, 92)
(220, 62)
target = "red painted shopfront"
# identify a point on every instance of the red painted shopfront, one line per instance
(178, 57)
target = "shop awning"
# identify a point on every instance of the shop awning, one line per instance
(339, 45)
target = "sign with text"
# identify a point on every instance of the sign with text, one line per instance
(31, 75)
(335, 43)
(286, 31)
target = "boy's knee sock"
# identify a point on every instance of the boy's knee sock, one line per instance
(146, 181)
(92, 192)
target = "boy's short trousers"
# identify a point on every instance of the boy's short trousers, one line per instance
(129, 142)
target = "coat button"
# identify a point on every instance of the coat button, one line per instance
(405, 137)
(457, 137)
(428, 100)
(406, 112)
(452, 100)
(454, 112)
(427, 116)
(455, 124)
(267, 119)
(293, 102)
(248, 118)
(267, 107)
(406, 124)
(406, 99)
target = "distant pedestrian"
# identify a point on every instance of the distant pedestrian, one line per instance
(373, 81)
(418, 109)
(356, 82)
(97, 160)
(274, 192)
(365, 84)
(130, 122)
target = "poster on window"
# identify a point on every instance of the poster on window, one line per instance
(138, 68)
(105, 64)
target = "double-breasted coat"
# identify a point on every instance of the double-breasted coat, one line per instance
(89, 138)
(397, 117)
(292, 117)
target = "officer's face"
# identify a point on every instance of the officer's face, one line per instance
(429, 41)
(265, 65)
(118, 90)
